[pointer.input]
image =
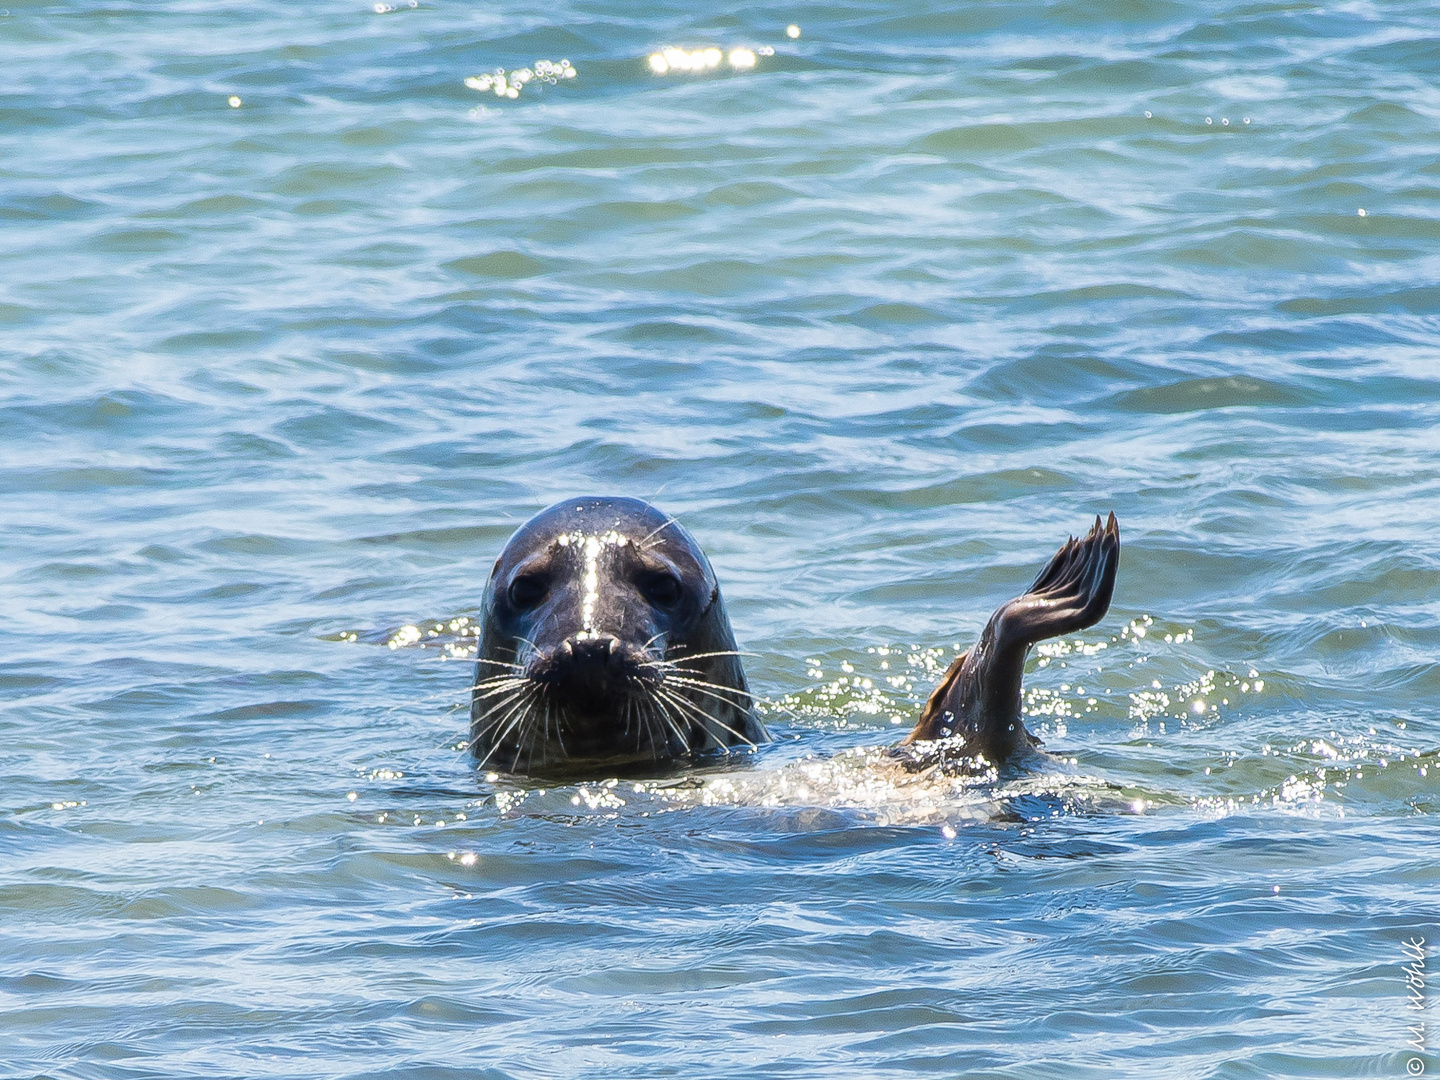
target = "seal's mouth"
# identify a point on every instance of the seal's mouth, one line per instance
(593, 702)
(594, 676)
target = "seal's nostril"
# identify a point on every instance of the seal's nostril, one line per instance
(591, 651)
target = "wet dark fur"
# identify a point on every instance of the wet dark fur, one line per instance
(635, 667)
(974, 714)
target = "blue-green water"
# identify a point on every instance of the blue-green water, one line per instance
(882, 318)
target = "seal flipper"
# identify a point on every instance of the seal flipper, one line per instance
(978, 700)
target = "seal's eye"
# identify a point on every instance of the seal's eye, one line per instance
(662, 590)
(527, 590)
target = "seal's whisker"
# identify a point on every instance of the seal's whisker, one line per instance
(514, 690)
(706, 655)
(518, 712)
(689, 711)
(480, 693)
(671, 721)
(635, 713)
(500, 663)
(525, 641)
(687, 703)
(645, 735)
(496, 680)
(538, 734)
(493, 680)
(514, 732)
(667, 666)
(707, 687)
(503, 723)
(419, 701)
(494, 748)
(559, 726)
(509, 705)
(664, 667)
(678, 725)
(693, 686)
(651, 712)
(492, 691)
(671, 520)
(527, 739)
(644, 729)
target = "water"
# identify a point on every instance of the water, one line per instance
(883, 318)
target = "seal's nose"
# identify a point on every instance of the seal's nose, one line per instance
(591, 652)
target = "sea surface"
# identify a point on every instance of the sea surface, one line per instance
(297, 325)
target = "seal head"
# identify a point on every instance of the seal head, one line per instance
(604, 643)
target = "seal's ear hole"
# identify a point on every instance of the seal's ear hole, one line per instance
(527, 590)
(662, 590)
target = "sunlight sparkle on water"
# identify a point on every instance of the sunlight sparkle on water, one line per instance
(671, 59)
(505, 84)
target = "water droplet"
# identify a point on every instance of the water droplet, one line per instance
(792, 31)
(235, 102)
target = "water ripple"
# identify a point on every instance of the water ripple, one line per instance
(883, 317)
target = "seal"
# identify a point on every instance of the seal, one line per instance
(973, 716)
(604, 644)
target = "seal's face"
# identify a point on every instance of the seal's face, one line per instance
(604, 640)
